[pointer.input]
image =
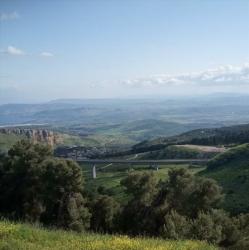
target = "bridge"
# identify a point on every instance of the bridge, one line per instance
(151, 163)
(142, 162)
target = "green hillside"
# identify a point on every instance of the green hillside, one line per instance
(179, 152)
(231, 170)
(26, 237)
(232, 135)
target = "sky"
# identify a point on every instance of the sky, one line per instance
(52, 49)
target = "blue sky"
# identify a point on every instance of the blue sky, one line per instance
(101, 49)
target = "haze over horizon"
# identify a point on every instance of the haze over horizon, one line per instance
(122, 49)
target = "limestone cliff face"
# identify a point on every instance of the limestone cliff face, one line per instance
(36, 135)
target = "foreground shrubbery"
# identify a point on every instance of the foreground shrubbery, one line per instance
(38, 188)
(24, 237)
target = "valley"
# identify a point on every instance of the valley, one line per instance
(131, 159)
(124, 125)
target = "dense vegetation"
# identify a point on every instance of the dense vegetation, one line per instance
(38, 188)
(231, 171)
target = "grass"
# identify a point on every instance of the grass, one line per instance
(26, 237)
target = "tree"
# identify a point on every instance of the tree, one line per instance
(175, 226)
(63, 188)
(21, 184)
(216, 227)
(204, 228)
(105, 211)
(37, 187)
(141, 187)
(187, 194)
(72, 213)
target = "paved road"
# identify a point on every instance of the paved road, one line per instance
(142, 162)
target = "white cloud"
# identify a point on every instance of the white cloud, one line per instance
(46, 54)
(223, 75)
(9, 16)
(13, 51)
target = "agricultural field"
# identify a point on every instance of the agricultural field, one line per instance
(27, 237)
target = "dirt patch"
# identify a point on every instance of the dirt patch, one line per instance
(204, 148)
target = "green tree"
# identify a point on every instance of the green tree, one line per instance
(63, 188)
(105, 211)
(37, 187)
(72, 213)
(175, 226)
(141, 187)
(187, 194)
(21, 184)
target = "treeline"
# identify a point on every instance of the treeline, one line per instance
(36, 187)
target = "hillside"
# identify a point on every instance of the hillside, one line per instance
(211, 136)
(22, 237)
(182, 152)
(231, 170)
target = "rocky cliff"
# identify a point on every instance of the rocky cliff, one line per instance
(36, 135)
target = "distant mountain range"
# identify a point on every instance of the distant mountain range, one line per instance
(128, 122)
(216, 110)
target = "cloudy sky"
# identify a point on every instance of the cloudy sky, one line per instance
(113, 48)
